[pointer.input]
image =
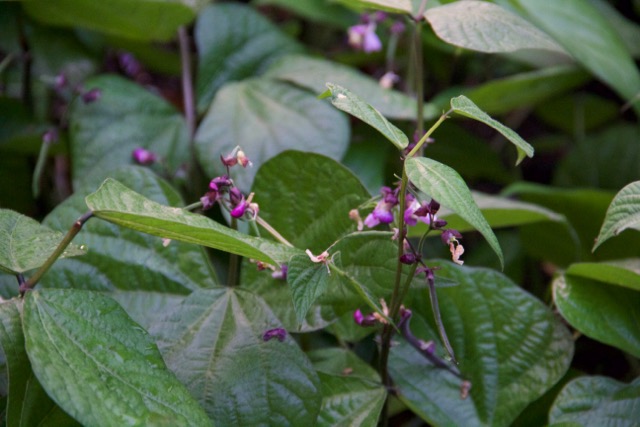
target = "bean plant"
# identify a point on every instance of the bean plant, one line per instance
(319, 213)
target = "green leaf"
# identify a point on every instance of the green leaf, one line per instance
(105, 132)
(498, 211)
(619, 272)
(27, 403)
(234, 42)
(99, 365)
(319, 217)
(214, 343)
(25, 244)
(623, 213)
(447, 187)
(581, 109)
(321, 11)
(394, 6)
(136, 269)
(143, 20)
(597, 401)
(464, 106)
(585, 210)
(508, 344)
(352, 393)
(486, 27)
(308, 282)
(527, 89)
(350, 103)
(583, 31)
(267, 118)
(604, 313)
(313, 73)
(120, 205)
(18, 367)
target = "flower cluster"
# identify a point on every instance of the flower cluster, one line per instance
(222, 190)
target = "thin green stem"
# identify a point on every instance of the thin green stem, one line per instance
(192, 206)
(73, 231)
(438, 318)
(187, 82)
(426, 136)
(234, 261)
(272, 231)
(37, 172)
(419, 76)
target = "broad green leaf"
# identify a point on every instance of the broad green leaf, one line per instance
(313, 74)
(352, 393)
(120, 205)
(395, 6)
(619, 272)
(527, 89)
(99, 365)
(509, 346)
(308, 282)
(234, 42)
(136, 269)
(585, 210)
(27, 403)
(498, 211)
(25, 244)
(486, 27)
(447, 187)
(298, 196)
(325, 12)
(214, 343)
(18, 367)
(623, 213)
(350, 103)
(105, 132)
(266, 118)
(628, 30)
(597, 401)
(603, 312)
(143, 20)
(464, 106)
(585, 34)
(576, 111)
(613, 156)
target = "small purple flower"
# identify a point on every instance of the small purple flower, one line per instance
(362, 320)
(129, 64)
(50, 136)
(209, 199)
(363, 36)
(450, 235)
(397, 27)
(239, 210)
(143, 156)
(220, 182)
(280, 274)
(91, 95)
(278, 333)
(409, 258)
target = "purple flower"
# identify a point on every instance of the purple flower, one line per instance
(280, 274)
(143, 156)
(363, 36)
(218, 183)
(91, 95)
(209, 199)
(362, 320)
(397, 27)
(409, 258)
(241, 207)
(278, 333)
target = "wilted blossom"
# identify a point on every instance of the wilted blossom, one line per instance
(388, 80)
(450, 237)
(362, 320)
(236, 156)
(143, 156)
(355, 216)
(280, 274)
(278, 333)
(409, 258)
(382, 213)
(363, 36)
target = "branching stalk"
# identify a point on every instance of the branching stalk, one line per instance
(73, 231)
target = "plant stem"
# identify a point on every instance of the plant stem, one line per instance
(424, 138)
(187, 82)
(433, 295)
(419, 76)
(192, 206)
(272, 231)
(75, 229)
(37, 172)
(234, 261)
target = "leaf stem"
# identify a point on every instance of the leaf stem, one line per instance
(273, 231)
(419, 77)
(73, 231)
(187, 82)
(433, 295)
(37, 172)
(234, 261)
(424, 138)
